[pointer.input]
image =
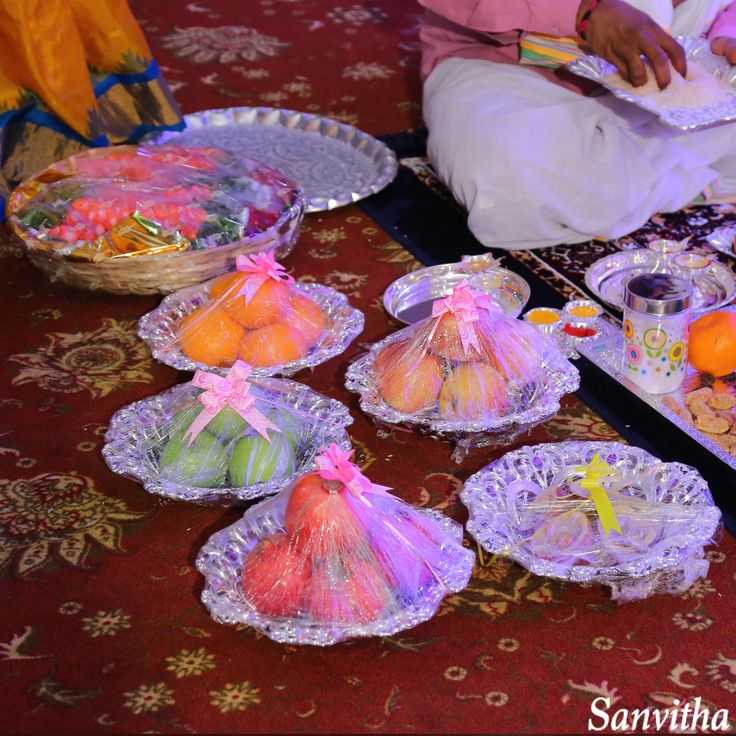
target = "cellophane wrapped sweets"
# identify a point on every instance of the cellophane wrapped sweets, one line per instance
(596, 512)
(333, 557)
(133, 200)
(467, 368)
(256, 314)
(226, 438)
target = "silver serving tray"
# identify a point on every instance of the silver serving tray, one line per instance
(158, 330)
(333, 163)
(714, 286)
(607, 355)
(669, 567)
(561, 377)
(595, 68)
(722, 239)
(134, 437)
(409, 299)
(221, 562)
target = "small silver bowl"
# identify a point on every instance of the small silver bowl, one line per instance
(546, 328)
(580, 304)
(409, 299)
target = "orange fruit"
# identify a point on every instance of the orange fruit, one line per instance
(712, 343)
(408, 380)
(227, 284)
(266, 306)
(307, 317)
(473, 391)
(209, 336)
(272, 345)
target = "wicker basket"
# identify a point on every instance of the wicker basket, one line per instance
(156, 274)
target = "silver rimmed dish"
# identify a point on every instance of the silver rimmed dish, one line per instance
(333, 163)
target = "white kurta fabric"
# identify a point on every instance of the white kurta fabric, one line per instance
(536, 164)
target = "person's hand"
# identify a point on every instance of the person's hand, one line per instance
(724, 46)
(620, 34)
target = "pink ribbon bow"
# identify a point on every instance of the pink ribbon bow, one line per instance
(260, 267)
(334, 464)
(465, 303)
(233, 390)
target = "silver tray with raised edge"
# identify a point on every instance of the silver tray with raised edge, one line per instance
(333, 163)
(698, 49)
(409, 299)
(723, 239)
(607, 355)
(713, 286)
(670, 564)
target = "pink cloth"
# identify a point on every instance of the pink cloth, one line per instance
(492, 30)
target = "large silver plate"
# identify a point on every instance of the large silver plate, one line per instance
(333, 163)
(137, 432)
(221, 563)
(409, 299)
(158, 330)
(722, 239)
(560, 378)
(596, 69)
(669, 566)
(713, 286)
(607, 354)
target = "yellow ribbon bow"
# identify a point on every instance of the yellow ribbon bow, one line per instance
(592, 481)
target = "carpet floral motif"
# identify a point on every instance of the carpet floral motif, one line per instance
(224, 44)
(101, 361)
(55, 516)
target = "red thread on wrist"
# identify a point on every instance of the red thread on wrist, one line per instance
(583, 23)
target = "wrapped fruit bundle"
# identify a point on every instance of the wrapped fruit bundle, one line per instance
(224, 439)
(131, 201)
(468, 372)
(594, 512)
(333, 557)
(257, 314)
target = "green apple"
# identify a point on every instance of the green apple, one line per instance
(293, 426)
(202, 463)
(256, 460)
(226, 425)
(182, 420)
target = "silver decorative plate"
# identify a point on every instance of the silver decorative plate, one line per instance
(409, 299)
(713, 286)
(560, 378)
(221, 563)
(333, 163)
(607, 354)
(158, 329)
(134, 439)
(723, 239)
(698, 49)
(670, 565)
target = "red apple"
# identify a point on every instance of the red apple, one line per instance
(275, 577)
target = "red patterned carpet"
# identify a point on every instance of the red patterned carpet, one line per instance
(102, 630)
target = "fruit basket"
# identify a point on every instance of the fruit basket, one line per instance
(138, 220)
(224, 441)
(333, 557)
(258, 314)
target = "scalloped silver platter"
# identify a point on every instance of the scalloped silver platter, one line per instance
(221, 562)
(135, 431)
(409, 299)
(596, 69)
(158, 330)
(484, 494)
(561, 378)
(607, 354)
(333, 163)
(714, 287)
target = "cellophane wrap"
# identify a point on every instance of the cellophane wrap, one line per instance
(319, 563)
(177, 449)
(466, 370)
(531, 505)
(257, 314)
(129, 201)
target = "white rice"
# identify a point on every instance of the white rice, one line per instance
(699, 88)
